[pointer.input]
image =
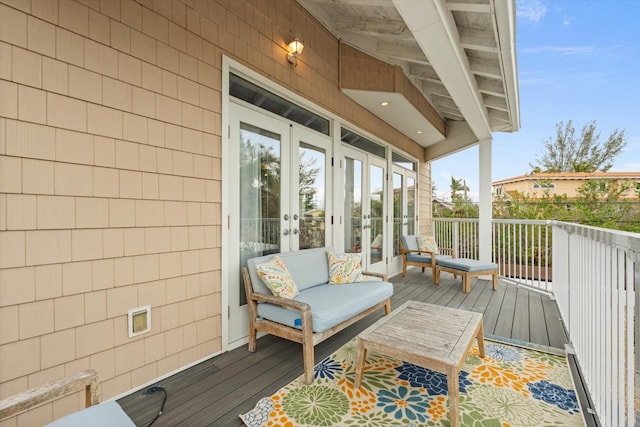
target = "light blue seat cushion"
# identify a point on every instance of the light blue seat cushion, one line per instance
(308, 267)
(105, 414)
(426, 258)
(466, 264)
(330, 304)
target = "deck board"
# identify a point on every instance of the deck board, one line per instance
(216, 391)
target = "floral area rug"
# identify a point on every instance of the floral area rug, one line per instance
(511, 386)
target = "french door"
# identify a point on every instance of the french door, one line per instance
(364, 208)
(403, 212)
(279, 174)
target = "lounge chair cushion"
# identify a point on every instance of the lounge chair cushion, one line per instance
(410, 242)
(426, 258)
(466, 264)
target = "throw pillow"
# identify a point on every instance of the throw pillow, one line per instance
(344, 268)
(427, 244)
(277, 277)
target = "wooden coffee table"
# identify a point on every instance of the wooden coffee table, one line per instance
(431, 336)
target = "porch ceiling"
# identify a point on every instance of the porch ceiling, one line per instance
(459, 54)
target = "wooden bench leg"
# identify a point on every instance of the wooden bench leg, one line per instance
(307, 347)
(252, 338)
(495, 280)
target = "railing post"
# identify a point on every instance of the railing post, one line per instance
(456, 234)
(636, 286)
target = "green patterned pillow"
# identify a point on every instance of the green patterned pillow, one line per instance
(427, 244)
(344, 268)
(277, 277)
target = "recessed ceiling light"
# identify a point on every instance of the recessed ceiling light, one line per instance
(384, 103)
(419, 132)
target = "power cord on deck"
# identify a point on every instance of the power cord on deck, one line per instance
(152, 390)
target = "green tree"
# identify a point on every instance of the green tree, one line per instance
(568, 152)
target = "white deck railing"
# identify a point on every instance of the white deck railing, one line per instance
(595, 275)
(595, 280)
(521, 248)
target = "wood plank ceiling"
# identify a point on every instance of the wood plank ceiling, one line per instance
(377, 28)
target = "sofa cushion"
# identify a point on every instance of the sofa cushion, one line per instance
(344, 268)
(466, 264)
(105, 414)
(308, 267)
(330, 305)
(277, 277)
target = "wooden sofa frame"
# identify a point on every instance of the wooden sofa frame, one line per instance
(305, 334)
(85, 380)
(423, 265)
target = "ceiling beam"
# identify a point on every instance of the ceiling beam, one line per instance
(381, 26)
(467, 6)
(474, 39)
(484, 67)
(491, 87)
(495, 102)
(434, 88)
(403, 52)
(373, 3)
(436, 33)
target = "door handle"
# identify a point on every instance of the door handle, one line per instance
(295, 231)
(285, 232)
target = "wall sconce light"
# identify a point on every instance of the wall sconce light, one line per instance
(294, 51)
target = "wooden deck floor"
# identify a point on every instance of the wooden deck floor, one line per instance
(215, 392)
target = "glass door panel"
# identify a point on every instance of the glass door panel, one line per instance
(260, 172)
(353, 205)
(375, 217)
(398, 211)
(411, 206)
(312, 203)
(259, 158)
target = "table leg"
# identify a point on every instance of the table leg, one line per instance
(362, 355)
(454, 396)
(480, 337)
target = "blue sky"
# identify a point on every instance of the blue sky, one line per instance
(578, 60)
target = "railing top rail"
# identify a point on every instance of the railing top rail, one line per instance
(499, 220)
(622, 239)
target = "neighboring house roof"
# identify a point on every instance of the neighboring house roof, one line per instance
(443, 203)
(574, 176)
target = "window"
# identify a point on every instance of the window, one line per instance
(544, 185)
(403, 162)
(247, 91)
(355, 140)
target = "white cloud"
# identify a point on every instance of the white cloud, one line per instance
(532, 10)
(562, 50)
(567, 21)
